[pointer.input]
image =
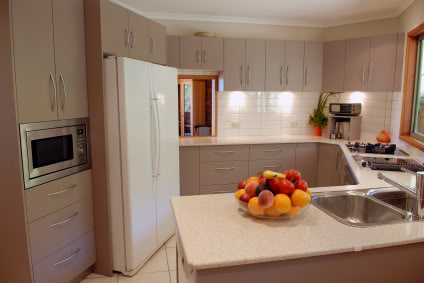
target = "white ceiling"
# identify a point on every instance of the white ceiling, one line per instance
(312, 13)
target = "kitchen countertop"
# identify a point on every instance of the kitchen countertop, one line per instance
(213, 233)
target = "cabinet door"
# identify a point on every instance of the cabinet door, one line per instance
(334, 65)
(157, 34)
(275, 60)
(189, 170)
(234, 64)
(138, 37)
(173, 51)
(190, 52)
(69, 40)
(255, 65)
(327, 165)
(295, 51)
(382, 63)
(34, 60)
(115, 33)
(313, 66)
(212, 53)
(399, 62)
(357, 64)
(307, 162)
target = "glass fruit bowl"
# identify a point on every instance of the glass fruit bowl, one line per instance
(293, 212)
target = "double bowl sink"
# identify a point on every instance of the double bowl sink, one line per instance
(365, 208)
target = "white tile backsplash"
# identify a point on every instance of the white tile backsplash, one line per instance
(287, 113)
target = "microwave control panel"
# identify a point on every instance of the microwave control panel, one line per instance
(81, 144)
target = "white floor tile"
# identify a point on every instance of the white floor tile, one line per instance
(172, 243)
(156, 277)
(173, 275)
(103, 279)
(171, 254)
(156, 263)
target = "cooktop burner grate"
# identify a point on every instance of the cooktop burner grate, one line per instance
(389, 166)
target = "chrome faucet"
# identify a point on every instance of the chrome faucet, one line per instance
(417, 193)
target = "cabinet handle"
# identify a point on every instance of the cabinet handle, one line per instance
(132, 39)
(306, 76)
(372, 68)
(65, 94)
(64, 221)
(227, 151)
(152, 46)
(281, 75)
(273, 150)
(225, 169)
(241, 75)
(68, 258)
(271, 166)
(363, 74)
(248, 75)
(223, 192)
(53, 97)
(287, 75)
(63, 191)
(204, 56)
(126, 38)
(197, 56)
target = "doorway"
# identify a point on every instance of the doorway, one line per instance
(197, 105)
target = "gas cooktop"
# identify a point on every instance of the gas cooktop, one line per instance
(389, 164)
(377, 148)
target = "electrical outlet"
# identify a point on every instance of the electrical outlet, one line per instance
(236, 124)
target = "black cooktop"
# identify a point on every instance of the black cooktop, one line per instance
(375, 148)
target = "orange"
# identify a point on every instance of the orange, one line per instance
(254, 207)
(300, 198)
(239, 193)
(253, 179)
(282, 203)
(308, 192)
(271, 211)
(294, 210)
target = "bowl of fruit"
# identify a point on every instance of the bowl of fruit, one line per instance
(274, 195)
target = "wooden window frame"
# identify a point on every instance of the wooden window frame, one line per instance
(409, 79)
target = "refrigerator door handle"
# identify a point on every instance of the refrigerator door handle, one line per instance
(158, 153)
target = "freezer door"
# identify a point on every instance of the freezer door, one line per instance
(165, 88)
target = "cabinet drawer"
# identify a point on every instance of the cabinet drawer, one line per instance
(258, 166)
(51, 233)
(221, 173)
(272, 151)
(67, 263)
(47, 198)
(224, 153)
(218, 189)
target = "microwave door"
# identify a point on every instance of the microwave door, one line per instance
(51, 150)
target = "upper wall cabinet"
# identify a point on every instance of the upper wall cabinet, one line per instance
(173, 51)
(255, 65)
(295, 51)
(212, 53)
(115, 31)
(138, 44)
(275, 63)
(157, 36)
(399, 61)
(312, 78)
(190, 52)
(49, 52)
(357, 61)
(234, 64)
(334, 65)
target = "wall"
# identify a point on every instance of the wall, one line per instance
(412, 17)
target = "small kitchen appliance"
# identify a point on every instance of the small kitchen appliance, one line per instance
(346, 109)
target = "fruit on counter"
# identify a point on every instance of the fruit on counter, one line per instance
(300, 198)
(282, 203)
(308, 192)
(293, 175)
(271, 174)
(266, 199)
(241, 185)
(245, 198)
(253, 179)
(275, 185)
(301, 185)
(239, 193)
(254, 206)
(251, 188)
(294, 210)
(272, 211)
(261, 188)
(286, 187)
(262, 181)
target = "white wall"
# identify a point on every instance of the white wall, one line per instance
(412, 17)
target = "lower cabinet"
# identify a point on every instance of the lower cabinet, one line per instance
(218, 189)
(189, 170)
(222, 173)
(307, 162)
(281, 165)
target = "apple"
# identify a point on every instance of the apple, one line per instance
(286, 187)
(301, 185)
(245, 198)
(293, 175)
(251, 188)
(275, 184)
(241, 185)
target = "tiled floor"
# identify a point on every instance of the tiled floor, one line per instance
(161, 268)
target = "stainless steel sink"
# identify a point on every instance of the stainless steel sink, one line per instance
(394, 197)
(359, 209)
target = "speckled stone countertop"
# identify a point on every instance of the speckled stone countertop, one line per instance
(213, 233)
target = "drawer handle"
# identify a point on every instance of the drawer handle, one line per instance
(273, 150)
(223, 192)
(228, 151)
(67, 259)
(66, 220)
(228, 168)
(63, 191)
(271, 166)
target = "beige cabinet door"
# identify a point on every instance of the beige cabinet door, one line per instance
(115, 32)
(334, 65)
(307, 162)
(382, 63)
(190, 52)
(275, 60)
(312, 66)
(212, 53)
(189, 170)
(173, 51)
(234, 64)
(295, 51)
(138, 37)
(255, 65)
(157, 35)
(357, 64)
(34, 60)
(69, 40)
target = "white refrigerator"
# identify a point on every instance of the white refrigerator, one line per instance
(141, 120)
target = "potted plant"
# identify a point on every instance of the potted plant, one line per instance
(318, 119)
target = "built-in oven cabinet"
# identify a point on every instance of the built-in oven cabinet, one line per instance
(50, 68)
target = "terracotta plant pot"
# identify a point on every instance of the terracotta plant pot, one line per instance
(317, 132)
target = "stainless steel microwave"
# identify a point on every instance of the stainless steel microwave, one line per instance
(52, 150)
(347, 109)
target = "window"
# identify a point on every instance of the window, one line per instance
(418, 119)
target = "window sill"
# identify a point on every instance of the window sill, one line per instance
(413, 142)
